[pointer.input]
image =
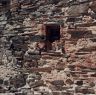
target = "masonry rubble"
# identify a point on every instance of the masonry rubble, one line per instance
(47, 47)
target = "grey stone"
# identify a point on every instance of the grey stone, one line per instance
(18, 80)
(36, 83)
(58, 82)
(77, 10)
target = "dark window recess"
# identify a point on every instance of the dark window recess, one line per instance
(5, 2)
(52, 33)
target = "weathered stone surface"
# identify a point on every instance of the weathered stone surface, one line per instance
(77, 10)
(33, 64)
(18, 81)
(57, 82)
(93, 6)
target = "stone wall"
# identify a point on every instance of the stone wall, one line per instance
(27, 67)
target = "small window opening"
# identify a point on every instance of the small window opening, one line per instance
(52, 34)
(5, 2)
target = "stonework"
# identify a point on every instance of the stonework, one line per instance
(47, 47)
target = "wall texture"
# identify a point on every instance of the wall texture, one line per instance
(27, 67)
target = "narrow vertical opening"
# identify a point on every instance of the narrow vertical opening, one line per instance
(5, 2)
(52, 34)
